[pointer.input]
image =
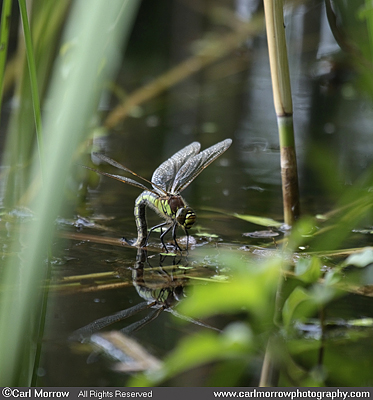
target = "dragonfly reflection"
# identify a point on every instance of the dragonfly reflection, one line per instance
(162, 292)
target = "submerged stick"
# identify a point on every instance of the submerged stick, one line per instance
(283, 106)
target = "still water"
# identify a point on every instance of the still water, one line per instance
(231, 98)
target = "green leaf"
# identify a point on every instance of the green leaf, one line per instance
(308, 269)
(258, 220)
(252, 288)
(236, 341)
(302, 303)
(360, 259)
(332, 277)
(362, 322)
(298, 304)
(220, 278)
(206, 234)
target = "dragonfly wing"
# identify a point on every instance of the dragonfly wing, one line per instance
(122, 179)
(195, 165)
(157, 190)
(164, 176)
(112, 162)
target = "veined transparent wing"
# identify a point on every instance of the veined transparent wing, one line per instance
(164, 176)
(195, 165)
(123, 178)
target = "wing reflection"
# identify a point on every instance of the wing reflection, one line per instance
(161, 287)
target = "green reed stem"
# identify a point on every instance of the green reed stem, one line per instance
(283, 106)
(4, 39)
(33, 81)
(274, 16)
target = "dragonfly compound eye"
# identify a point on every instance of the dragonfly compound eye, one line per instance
(185, 217)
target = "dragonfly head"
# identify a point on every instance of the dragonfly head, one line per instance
(185, 217)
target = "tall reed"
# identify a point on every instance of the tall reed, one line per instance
(4, 38)
(283, 105)
(274, 17)
(33, 81)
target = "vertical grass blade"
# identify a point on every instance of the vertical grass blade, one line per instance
(96, 34)
(4, 39)
(369, 21)
(46, 21)
(33, 81)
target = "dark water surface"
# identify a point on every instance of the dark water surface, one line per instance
(231, 98)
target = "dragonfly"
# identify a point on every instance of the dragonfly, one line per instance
(167, 182)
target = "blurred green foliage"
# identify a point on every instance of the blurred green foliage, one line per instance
(291, 300)
(352, 24)
(286, 300)
(73, 96)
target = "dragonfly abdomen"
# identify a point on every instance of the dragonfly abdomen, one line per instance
(171, 208)
(145, 199)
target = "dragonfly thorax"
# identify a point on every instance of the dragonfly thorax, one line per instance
(175, 202)
(175, 207)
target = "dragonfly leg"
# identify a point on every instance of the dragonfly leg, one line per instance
(187, 235)
(163, 235)
(153, 228)
(174, 237)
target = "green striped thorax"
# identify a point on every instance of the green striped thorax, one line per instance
(167, 182)
(174, 207)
